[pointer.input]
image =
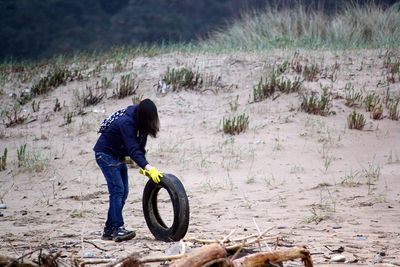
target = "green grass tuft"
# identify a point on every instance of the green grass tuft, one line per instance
(3, 160)
(21, 155)
(235, 125)
(268, 87)
(353, 98)
(371, 101)
(54, 78)
(127, 86)
(394, 113)
(182, 78)
(314, 105)
(356, 120)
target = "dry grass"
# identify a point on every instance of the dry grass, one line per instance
(354, 26)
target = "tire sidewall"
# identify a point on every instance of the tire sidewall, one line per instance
(180, 205)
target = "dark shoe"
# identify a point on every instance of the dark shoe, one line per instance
(121, 234)
(107, 234)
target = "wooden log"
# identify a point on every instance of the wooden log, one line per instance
(94, 262)
(8, 261)
(201, 256)
(261, 258)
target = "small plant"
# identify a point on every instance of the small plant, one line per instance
(296, 64)
(394, 113)
(371, 101)
(262, 91)
(326, 89)
(393, 157)
(21, 155)
(333, 76)
(266, 89)
(89, 97)
(250, 179)
(387, 97)
(318, 214)
(35, 106)
(314, 105)
(95, 72)
(327, 162)
(3, 160)
(57, 106)
(351, 179)
(137, 99)
(288, 86)
(14, 117)
(182, 78)
(35, 162)
(68, 117)
(352, 97)
(377, 112)
(119, 65)
(234, 104)
(311, 72)
(235, 125)
(3, 79)
(53, 79)
(372, 174)
(210, 82)
(324, 209)
(335, 66)
(281, 68)
(392, 64)
(126, 87)
(104, 84)
(25, 97)
(356, 121)
(77, 74)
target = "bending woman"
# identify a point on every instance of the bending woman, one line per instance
(123, 134)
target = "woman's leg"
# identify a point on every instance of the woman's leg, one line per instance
(125, 181)
(110, 166)
(116, 175)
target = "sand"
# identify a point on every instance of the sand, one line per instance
(313, 180)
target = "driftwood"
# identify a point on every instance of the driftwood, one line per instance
(8, 261)
(43, 259)
(94, 262)
(261, 258)
(202, 256)
(227, 252)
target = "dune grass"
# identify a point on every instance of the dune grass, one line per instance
(355, 26)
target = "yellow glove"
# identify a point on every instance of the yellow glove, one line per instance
(153, 174)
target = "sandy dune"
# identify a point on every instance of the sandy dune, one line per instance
(316, 182)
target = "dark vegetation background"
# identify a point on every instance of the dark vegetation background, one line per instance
(35, 29)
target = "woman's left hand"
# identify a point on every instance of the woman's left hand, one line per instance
(152, 173)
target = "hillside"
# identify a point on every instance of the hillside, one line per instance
(32, 30)
(310, 177)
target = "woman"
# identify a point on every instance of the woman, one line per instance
(123, 134)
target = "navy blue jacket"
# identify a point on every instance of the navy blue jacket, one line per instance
(122, 139)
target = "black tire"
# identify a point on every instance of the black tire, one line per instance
(180, 205)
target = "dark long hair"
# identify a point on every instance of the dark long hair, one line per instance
(146, 116)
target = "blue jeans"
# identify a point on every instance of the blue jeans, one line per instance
(116, 174)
